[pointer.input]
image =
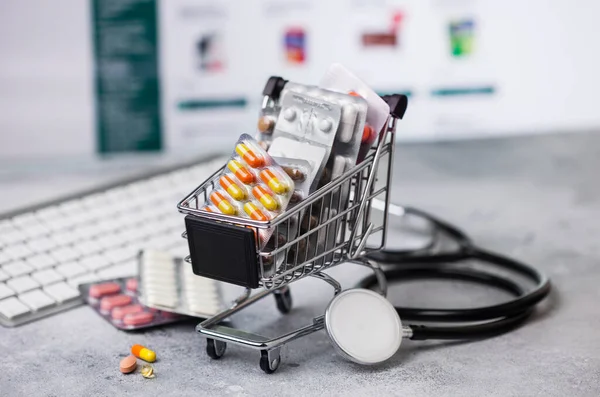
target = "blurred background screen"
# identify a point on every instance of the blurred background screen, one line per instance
(101, 76)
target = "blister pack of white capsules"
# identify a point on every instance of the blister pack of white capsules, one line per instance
(338, 78)
(168, 283)
(252, 185)
(346, 143)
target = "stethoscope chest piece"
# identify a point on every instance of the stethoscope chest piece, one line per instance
(363, 326)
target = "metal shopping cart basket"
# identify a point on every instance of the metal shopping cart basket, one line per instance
(225, 247)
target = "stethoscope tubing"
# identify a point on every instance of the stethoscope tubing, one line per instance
(401, 265)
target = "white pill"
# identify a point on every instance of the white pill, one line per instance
(289, 114)
(325, 125)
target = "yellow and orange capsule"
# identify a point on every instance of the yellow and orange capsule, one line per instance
(254, 160)
(232, 188)
(222, 203)
(273, 181)
(265, 198)
(240, 171)
(254, 212)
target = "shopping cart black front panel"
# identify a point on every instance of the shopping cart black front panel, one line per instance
(223, 252)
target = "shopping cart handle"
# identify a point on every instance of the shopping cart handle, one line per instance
(397, 103)
(274, 87)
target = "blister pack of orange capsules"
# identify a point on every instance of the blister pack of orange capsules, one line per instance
(252, 186)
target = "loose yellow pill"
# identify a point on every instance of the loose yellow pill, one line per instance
(232, 188)
(265, 198)
(222, 203)
(143, 353)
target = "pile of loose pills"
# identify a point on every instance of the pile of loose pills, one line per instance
(129, 363)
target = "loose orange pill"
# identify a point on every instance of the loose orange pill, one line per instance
(232, 188)
(128, 364)
(273, 181)
(222, 203)
(144, 353)
(254, 160)
(265, 198)
(240, 171)
(254, 212)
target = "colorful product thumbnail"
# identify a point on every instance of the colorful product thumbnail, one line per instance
(462, 37)
(295, 46)
(210, 53)
(387, 38)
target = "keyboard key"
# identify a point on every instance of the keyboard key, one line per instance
(36, 229)
(95, 262)
(12, 307)
(17, 251)
(95, 200)
(5, 292)
(4, 258)
(49, 213)
(125, 269)
(11, 235)
(65, 237)
(41, 244)
(48, 276)
(120, 254)
(71, 207)
(17, 268)
(108, 241)
(3, 275)
(41, 261)
(6, 226)
(36, 299)
(83, 279)
(23, 220)
(86, 231)
(71, 269)
(65, 254)
(106, 226)
(61, 292)
(22, 284)
(59, 224)
(87, 247)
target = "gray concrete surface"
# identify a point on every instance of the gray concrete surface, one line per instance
(536, 198)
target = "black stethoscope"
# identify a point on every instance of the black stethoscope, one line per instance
(366, 328)
(435, 261)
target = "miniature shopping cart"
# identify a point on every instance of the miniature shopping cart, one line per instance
(225, 247)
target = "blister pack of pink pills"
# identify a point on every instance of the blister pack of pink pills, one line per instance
(117, 302)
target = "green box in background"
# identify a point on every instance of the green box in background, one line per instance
(462, 37)
(125, 35)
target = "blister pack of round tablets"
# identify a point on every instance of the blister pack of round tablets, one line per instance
(252, 185)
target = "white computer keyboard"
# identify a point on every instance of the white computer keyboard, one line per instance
(47, 251)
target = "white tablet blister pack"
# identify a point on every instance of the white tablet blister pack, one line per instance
(338, 78)
(317, 117)
(168, 283)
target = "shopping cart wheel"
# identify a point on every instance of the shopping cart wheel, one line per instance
(269, 360)
(215, 348)
(283, 297)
